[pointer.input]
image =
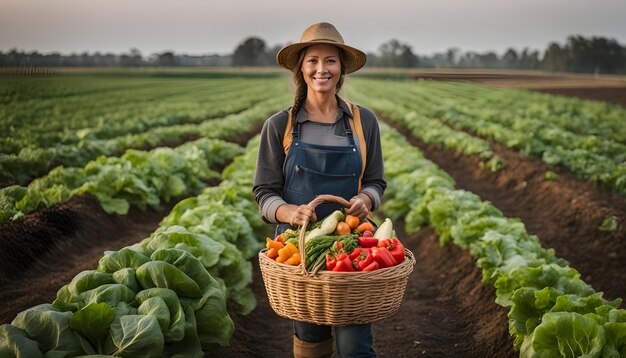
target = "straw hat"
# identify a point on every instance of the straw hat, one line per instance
(321, 33)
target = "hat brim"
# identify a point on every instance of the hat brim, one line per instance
(287, 57)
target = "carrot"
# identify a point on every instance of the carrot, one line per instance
(365, 226)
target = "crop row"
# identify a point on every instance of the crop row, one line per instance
(138, 178)
(428, 129)
(165, 296)
(580, 117)
(129, 106)
(589, 155)
(552, 312)
(31, 162)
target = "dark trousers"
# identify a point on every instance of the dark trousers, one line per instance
(351, 341)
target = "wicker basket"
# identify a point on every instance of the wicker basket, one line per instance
(334, 298)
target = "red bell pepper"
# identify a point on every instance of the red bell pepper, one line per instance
(330, 262)
(395, 247)
(383, 257)
(362, 260)
(365, 241)
(371, 267)
(397, 251)
(385, 243)
(356, 252)
(343, 263)
(279, 238)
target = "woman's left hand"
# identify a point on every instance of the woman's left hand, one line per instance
(360, 206)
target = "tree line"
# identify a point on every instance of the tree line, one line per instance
(578, 54)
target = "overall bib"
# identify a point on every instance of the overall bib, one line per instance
(311, 170)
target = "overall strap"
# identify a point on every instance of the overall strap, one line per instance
(288, 136)
(355, 123)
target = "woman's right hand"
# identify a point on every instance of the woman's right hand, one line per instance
(295, 215)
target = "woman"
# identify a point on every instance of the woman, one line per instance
(320, 145)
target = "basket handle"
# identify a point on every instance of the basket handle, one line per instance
(324, 198)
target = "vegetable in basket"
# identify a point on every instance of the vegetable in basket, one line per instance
(363, 259)
(289, 255)
(329, 224)
(364, 227)
(318, 247)
(343, 263)
(365, 241)
(384, 230)
(383, 257)
(395, 247)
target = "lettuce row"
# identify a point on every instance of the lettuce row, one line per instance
(138, 178)
(430, 130)
(137, 306)
(165, 296)
(552, 312)
(596, 152)
(73, 134)
(118, 105)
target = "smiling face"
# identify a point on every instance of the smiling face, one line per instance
(321, 68)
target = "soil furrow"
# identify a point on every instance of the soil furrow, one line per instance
(92, 231)
(565, 214)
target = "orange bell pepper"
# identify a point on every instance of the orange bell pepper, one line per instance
(294, 259)
(269, 243)
(286, 252)
(272, 253)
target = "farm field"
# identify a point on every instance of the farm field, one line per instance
(447, 311)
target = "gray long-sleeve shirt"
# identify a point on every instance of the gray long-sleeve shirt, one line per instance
(269, 178)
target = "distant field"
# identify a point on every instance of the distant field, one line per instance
(609, 88)
(503, 195)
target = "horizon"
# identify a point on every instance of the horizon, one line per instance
(147, 55)
(198, 28)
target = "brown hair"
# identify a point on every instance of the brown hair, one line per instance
(301, 86)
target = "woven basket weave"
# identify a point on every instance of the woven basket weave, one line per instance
(334, 298)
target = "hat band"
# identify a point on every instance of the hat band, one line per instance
(331, 40)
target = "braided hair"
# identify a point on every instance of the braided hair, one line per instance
(301, 86)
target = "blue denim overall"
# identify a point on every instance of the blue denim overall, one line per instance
(311, 170)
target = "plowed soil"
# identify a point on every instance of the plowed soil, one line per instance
(447, 311)
(78, 232)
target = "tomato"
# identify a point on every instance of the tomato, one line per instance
(365, 226)
(343, 228)
(352, 221)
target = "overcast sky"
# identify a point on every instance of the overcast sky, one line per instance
(217, 26)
